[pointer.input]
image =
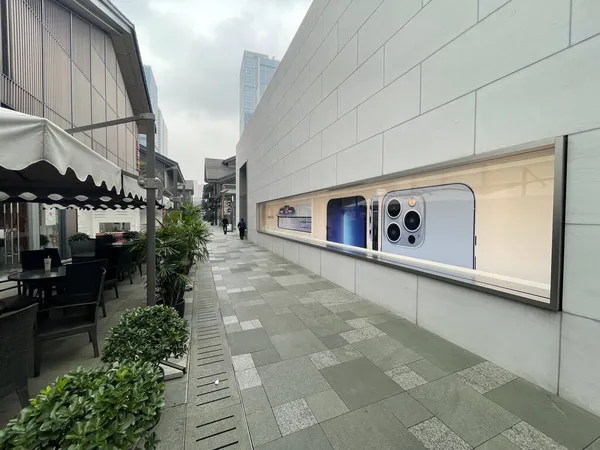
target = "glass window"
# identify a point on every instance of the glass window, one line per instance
(488, 220)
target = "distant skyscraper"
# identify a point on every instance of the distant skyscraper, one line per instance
(161, 137)
(255, 75)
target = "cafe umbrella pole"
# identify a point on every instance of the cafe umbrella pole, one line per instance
(150, 211)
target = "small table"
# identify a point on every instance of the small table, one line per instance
(40, 277)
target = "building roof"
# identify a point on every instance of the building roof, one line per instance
(104, 15)
(216, 169)
(170, 163)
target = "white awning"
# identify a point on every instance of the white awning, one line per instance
(40, 162)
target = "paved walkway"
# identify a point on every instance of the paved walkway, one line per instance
(317, 367)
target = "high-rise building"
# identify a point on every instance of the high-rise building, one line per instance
(255, 75)
(161, 138)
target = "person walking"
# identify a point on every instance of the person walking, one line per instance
(224, 222)
(242, 227)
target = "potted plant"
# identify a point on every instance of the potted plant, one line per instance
(111, 406)
(75, 237)
(131, 235)
(80, 243)
(151, 334)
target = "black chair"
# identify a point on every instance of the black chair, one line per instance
(111, 255)
(125, 264)
(33, 259)
(82, 247)
(76, 308)
(16, 346)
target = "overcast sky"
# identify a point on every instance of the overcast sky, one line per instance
(195, 49)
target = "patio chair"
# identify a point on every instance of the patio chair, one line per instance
(32, 260)
(78, 305)
(126, 266)
(111, 255)
(16, 345)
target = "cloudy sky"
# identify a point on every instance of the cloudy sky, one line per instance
(195, 49)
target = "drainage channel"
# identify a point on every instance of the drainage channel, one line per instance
(215, 418)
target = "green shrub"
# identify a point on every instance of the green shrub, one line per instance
(110, 407)
(131, 235)
(151, 334)
(44, 240)
(78, 237)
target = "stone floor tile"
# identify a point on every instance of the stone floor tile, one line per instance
(292, 379)
(229, 320)
(405, 377)
(270, 288)
(281, 311)
(248, 289)
(265, 357)
(234, 290)
(367, 309)
(171, 428)
(282, 324)
(358, 323)
(359, 383)
(294, 416)
(561, 420)
(371, 427)
(346, 353)
(221, 288)
(386, 353)
(363, 334)
(346, 315)
(248, 379)
(427, 369)
(282, 301)
(263, 427)
(595, 445)
(249, 341)
(406, 409)
(255, 399)
(327, 325)
(254, 312)
(311, 438)
(485, 376)
(324, 359)
(326, 405)
(297, 343)
(242, 362)
(437, 436)
(405, 332)
(289, 280)
(233, 328)
(527, 437)
(251, 324)
(469, 414)
(381, 318)
(498, 443)
(310, 310)
(333, 341)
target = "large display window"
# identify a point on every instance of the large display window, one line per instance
(490, 221)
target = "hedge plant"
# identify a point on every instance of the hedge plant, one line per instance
(151, 334)
(109, 407)
(78, 237)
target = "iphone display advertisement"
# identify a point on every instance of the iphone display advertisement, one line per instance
(492, 217)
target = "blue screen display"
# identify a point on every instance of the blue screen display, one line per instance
(347, 221)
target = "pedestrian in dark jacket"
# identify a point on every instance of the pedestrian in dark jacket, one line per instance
(242, 227)
(224, 223)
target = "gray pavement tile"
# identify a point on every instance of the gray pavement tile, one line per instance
(263, 427)
(281, 301)
(327, 325)
(322, 284)
(290, 380)
(406, 377)
(427, 369)
(363, 334)
(594, 446)
(311, 438)
(366, 310)
(564, 422)
(357, 324)
(333, 341)
(290, 280)
(301, 288)
(347, 315)
(253, 312)
(372, 427)
(294, 416)
(346, 353)
(278, 273)
(297, 343)
(405, 332)
(281, 311)
(444, 354)
(244, 296)
(324, 359)
(171, 428)
(265, 357)
(270, 288)
(498, 443)
(282, 324)
(359, 382)
(176, 392)
(242, 362)
(386, 353)
(310, 310)
(527, 437)
(326, 405)
(437, 436)
(473, 417)
(249, 341)
(406, 409)
(485, 376)
(381, 318)
(337, 295)
(255, 399)
(248, 378)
